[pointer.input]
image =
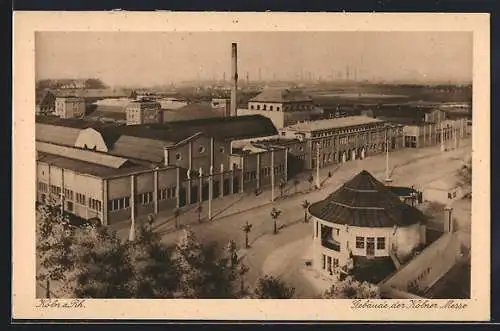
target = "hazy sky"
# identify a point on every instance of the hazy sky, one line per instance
(159, 58)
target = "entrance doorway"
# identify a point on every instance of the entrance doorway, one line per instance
(370, 246)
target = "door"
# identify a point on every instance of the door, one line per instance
(370, 246)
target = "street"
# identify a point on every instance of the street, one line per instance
(412, 167)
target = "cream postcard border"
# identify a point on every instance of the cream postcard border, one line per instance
(23, 235)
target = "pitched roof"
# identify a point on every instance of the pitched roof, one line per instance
(140, 148)
(191, 111)
(333, 123)
(102, 159)
(365, 202)
(280, 95)
(85, 167)
(60, 135)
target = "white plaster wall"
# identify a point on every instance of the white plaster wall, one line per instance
(91, 138)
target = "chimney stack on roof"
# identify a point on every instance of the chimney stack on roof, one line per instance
(234, 78)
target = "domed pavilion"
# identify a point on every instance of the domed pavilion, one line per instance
(363, 222)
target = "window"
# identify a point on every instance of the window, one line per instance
(43, 187)
(167, 193)
(360, 242)
(120, 203)
(69, 205)
(201, 149)
(145, 198)
(270, 107)
(221, 149)
(264, 107)
(449, 196)
(324, 261)
(178, 156)
(317, 227)
(335, 263)
(95, 204)
(329, 263)
(277, 108)
(68, 194)
(380, 243)
(251, 107)
(80, 199)
(258, 107)
(55, 189)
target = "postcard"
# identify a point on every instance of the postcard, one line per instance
(251, 166)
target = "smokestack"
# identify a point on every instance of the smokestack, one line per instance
(234, 78)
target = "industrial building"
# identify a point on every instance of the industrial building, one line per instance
(364, 223)
(283, 106)
(339, 140)
(69, 107)
(143, 111)
(113, 172)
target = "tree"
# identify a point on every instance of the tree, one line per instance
(177, 213)
(305, 205)
(154, 272)
(203, 273)
(350, 288)
(247, 228)
(102, 265)
(199, 209)
(296, 183)
(275, 213)
(269, 287)
(53, 243)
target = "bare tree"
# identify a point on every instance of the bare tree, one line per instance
(305, 205)
(275, 213)
(247, 228)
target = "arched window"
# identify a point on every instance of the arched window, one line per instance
(251, 107)
(264, 107)
(258, 107)
(270, 107)
(278, 108)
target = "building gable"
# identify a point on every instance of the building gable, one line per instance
(91, 139)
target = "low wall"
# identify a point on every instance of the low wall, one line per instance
(426, 268)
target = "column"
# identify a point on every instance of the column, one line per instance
(62, 191)
(155, 192)
(221, 184)
(200, 188)
(272, 174)
(177, 187)
(258, 171)
(242, 173)
(104, 219)
(231, 181)
(131, 236)
(285, 175)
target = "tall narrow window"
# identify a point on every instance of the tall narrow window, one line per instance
(360, 242)
(380, 243)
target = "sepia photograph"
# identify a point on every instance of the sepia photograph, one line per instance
(254, 165)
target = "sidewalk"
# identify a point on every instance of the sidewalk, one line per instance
(243, 202)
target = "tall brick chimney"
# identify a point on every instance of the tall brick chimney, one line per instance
(234, 79)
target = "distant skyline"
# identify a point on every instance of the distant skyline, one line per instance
(159, 58)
